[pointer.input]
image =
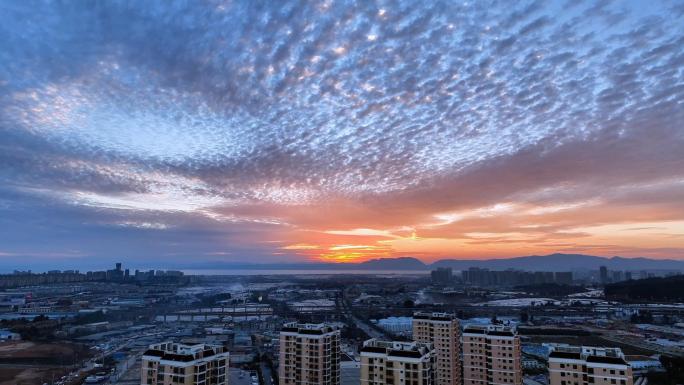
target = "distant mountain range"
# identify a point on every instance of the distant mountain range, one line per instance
(552, 262)
(563, 262)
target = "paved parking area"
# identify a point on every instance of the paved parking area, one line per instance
(239, 377)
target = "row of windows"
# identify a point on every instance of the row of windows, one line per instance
(591, 370)
(591, 380)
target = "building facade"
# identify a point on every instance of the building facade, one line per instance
(491, 355)
(582, 365)
(397, 363)
(443, 331)
(506, 278)
(169, 363)
(309, 354)
(603, 274)
(442, 276)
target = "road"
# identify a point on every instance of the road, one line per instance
(361, 324)
(266, 374)
(529, 381)
(239, 377)
(127, 371)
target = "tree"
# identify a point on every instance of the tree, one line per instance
(674, 367)
(642, 316)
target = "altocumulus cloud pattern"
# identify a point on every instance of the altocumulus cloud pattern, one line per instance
(264, 131)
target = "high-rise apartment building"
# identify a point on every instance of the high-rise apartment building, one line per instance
(603, 274)
(309, 354)
(583, 365)
(169, 363)
(563, 277)
(485, 277)
(397, 363)
(443, 331)
(491, 355)
(442, 276)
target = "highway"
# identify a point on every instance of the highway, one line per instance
(361, 324)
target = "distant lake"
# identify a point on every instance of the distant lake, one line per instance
(302, 272)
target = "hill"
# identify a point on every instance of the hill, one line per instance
(404, 263)
(552, 262)
(563, 262)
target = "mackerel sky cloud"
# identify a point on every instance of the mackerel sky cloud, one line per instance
(181, 132)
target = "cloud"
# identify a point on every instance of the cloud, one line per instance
(307, 122)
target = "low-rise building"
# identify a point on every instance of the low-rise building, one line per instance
(396, 325)
(532, 364)
(7, 335)
(644, 364)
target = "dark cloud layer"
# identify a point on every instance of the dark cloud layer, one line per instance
(222, 130)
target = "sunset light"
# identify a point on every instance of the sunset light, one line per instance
(342, 192)
(290, 133)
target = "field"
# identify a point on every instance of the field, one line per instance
(29, 363)
(591, 340)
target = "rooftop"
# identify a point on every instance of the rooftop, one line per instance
(588, 353)
(301, 328)
(492, 330)
(435, 316)
(184, 353)
(397, 348)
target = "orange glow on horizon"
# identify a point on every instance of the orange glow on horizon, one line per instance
(359, 245)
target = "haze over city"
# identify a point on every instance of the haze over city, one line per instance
(267, 132)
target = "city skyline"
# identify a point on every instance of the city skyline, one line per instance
(155, 134)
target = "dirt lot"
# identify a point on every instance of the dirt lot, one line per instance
(29, 363)
(30, 353)
(30, 376)
(7, 374)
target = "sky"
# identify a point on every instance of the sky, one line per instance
(185, 133)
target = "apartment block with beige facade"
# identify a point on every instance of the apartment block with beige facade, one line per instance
(170, 363)
(584, 365)
(491, 355)
(309, 354)
(443, 331)
(397, 363)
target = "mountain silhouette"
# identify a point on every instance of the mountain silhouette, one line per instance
(551, 262)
